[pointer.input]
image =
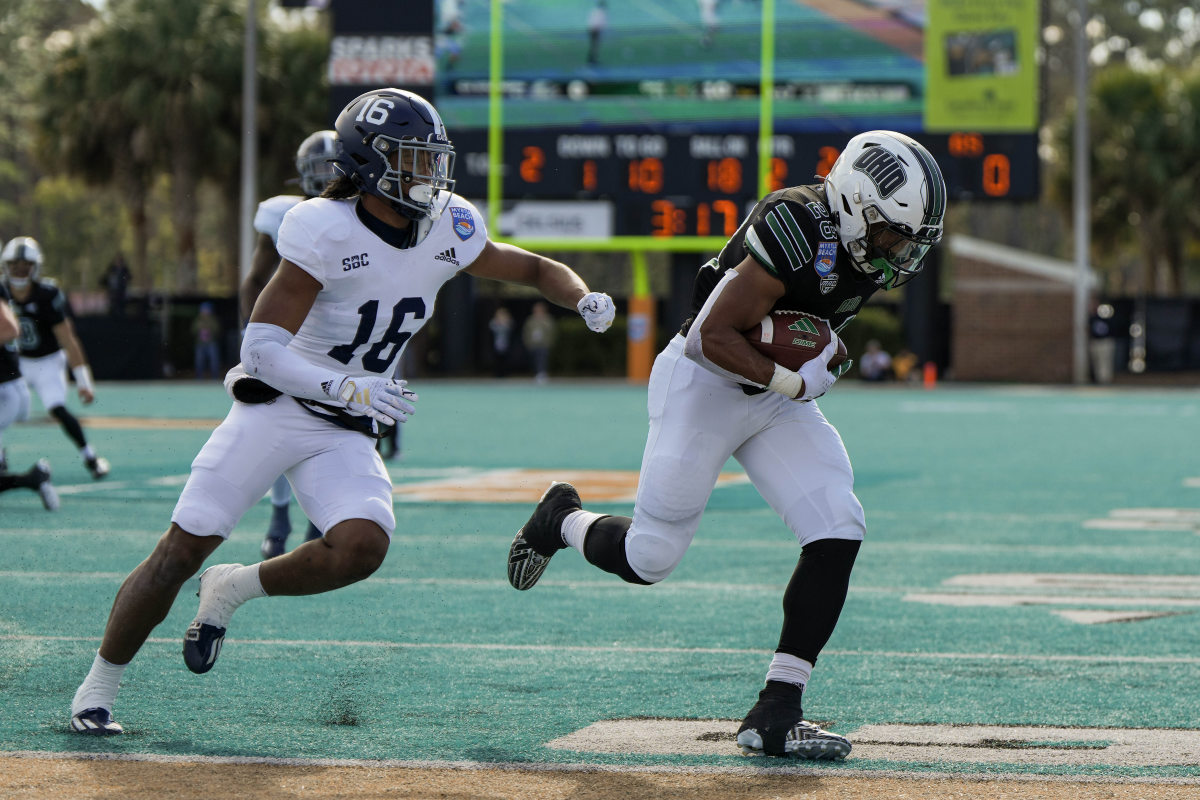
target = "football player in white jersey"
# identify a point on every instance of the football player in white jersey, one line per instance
(361, 267)
(820, 249)
(314, 165)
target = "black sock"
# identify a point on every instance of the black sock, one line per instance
(70, 425)
(23, 480)
(815, 595)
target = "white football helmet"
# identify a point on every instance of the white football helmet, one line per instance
(888, 196)
(313, 162)
(21, 249)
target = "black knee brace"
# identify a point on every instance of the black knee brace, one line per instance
(604, 546)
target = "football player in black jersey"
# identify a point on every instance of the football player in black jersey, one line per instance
(821, 249)
(48, 344)
(14, 407)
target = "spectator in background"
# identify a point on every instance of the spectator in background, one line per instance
(596, 24)
(904, 365)
(1102, 346)
(501, 327)
(115, 282)
(538, 336)
(709, 20)
(206, 332)
(449, 40)
(875, 364)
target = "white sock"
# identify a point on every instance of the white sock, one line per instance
(575, 527)
(789, 669)
(88, 454)
(232, 585)
(99, 688)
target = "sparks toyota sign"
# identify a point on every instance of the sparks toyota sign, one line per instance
(378, 44)
(381, 60)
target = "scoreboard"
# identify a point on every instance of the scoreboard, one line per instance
(666, 184)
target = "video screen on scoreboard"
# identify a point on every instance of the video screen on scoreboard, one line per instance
(841, 65)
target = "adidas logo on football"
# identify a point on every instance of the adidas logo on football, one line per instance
(447, 255)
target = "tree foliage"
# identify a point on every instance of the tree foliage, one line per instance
(142, 104)
(1142, 120)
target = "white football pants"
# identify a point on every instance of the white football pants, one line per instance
(791, 453)
(48, 378)
(14, 403)
(335, 473)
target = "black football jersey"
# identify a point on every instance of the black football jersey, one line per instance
(10, 368)
(45, 307)
(791, 234)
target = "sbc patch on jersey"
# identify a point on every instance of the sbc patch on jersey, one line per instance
(464, 223)
(826, 255)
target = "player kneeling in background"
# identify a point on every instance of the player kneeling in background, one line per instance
(819, 249)
(361, 268)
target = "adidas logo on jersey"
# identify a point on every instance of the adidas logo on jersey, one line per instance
(447, 255)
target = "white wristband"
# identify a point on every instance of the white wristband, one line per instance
(83, 377)
(786, 382)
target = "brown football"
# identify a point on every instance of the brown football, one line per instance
(792, 338)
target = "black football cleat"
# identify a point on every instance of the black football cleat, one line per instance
(776, 727)
(95, 722)
(541, 537)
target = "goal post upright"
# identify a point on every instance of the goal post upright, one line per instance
(641, 306)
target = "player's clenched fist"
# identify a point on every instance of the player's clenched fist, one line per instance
(598, 311)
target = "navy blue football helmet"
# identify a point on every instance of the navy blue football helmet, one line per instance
(392, 144)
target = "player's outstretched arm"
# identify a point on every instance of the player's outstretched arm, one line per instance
(557, 282)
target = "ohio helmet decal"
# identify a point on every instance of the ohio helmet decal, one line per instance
(464, 223)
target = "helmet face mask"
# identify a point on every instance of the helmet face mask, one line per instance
(314, 162)
(21, 260)
(392, 144)
(417, 177)
(890, 200)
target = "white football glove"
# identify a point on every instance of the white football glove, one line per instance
(816, 374)
(598, 311)
(384, 400)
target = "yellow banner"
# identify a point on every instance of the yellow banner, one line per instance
(981, 72)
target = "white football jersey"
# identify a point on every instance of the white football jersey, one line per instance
(373, 296)
(271, 211)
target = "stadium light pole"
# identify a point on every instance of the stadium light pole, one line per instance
(1081, 197)
(249, 143)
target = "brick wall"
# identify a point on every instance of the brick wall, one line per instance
(1009, 325)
